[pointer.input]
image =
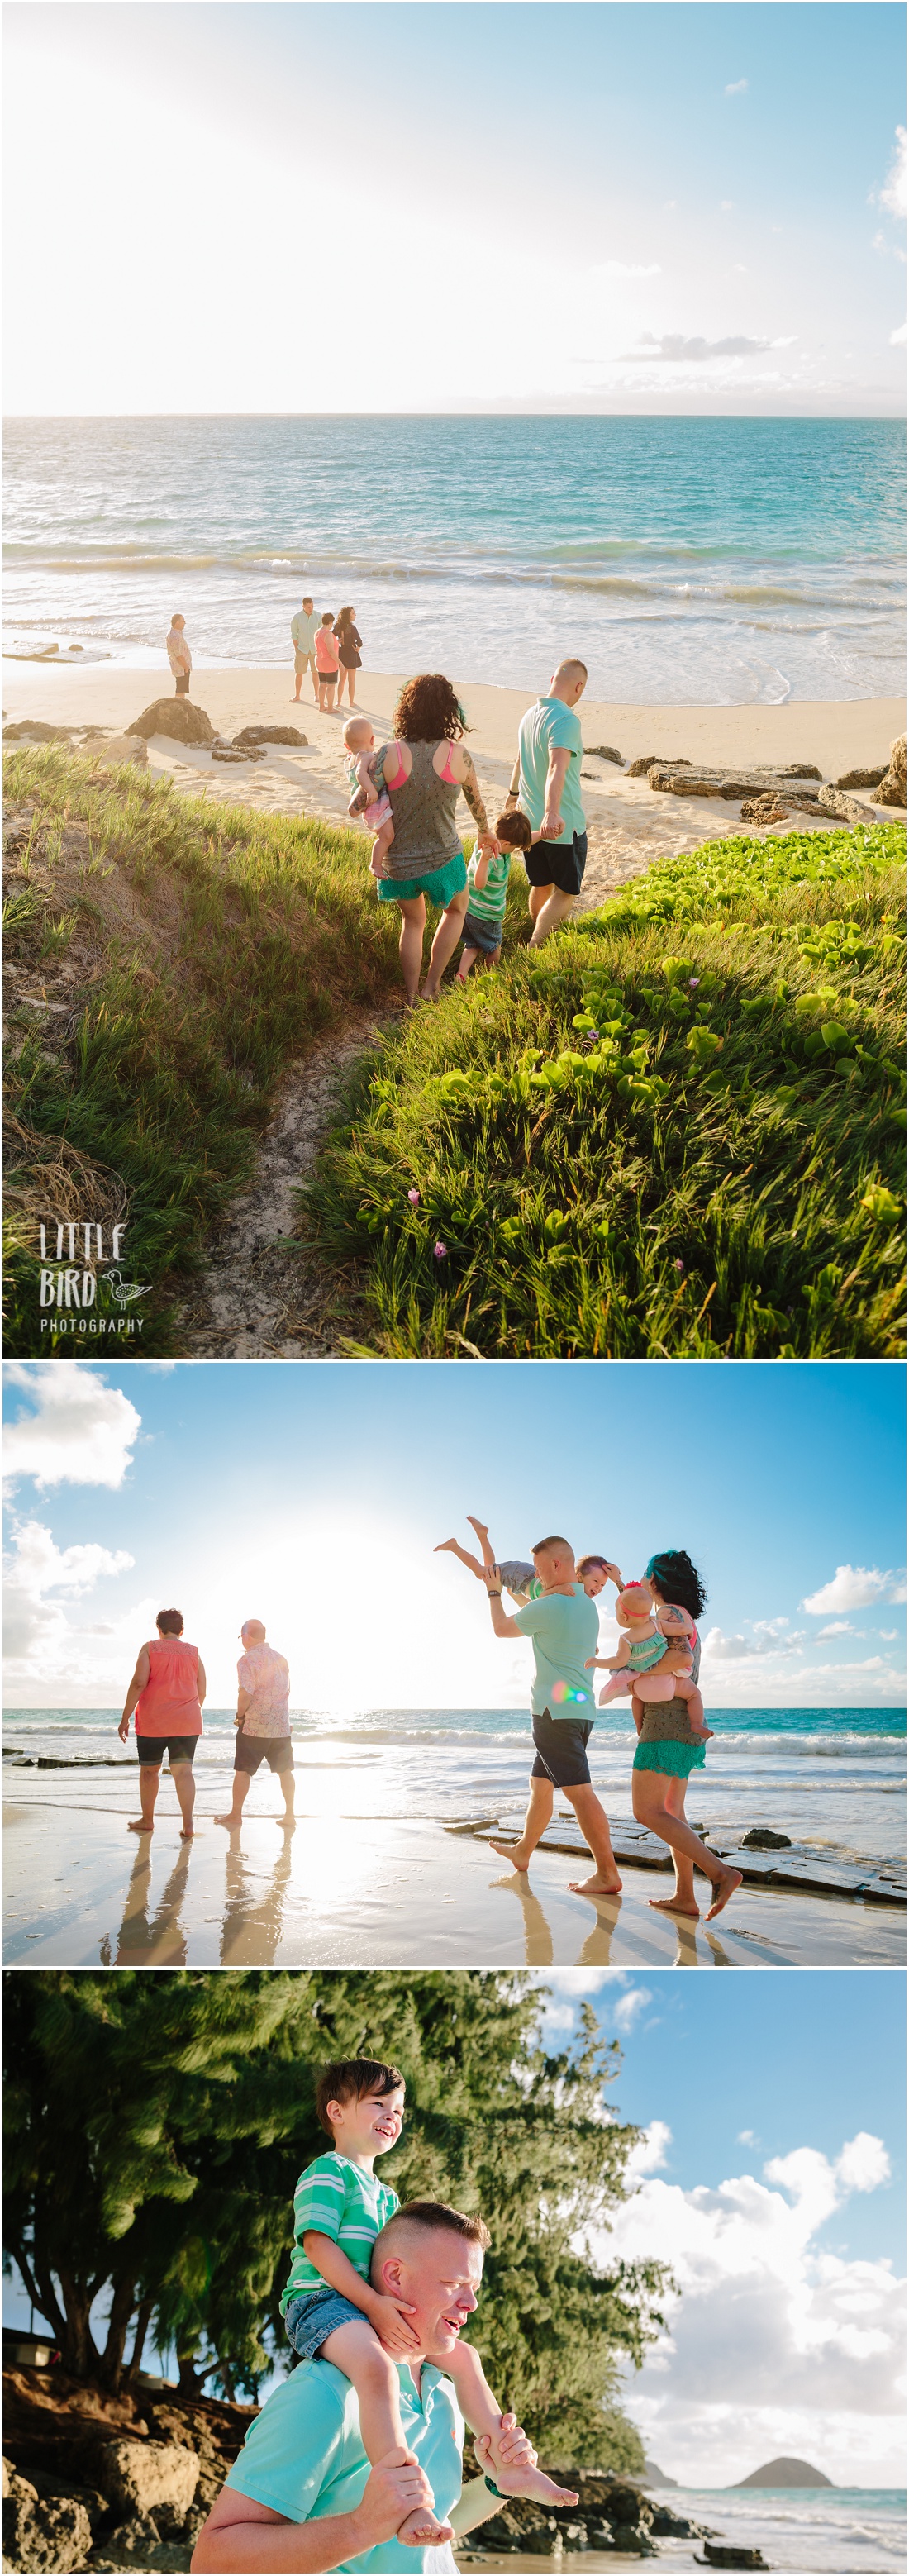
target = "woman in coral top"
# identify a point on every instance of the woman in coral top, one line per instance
(166, 1691)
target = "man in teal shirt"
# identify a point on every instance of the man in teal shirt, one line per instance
(303, 629)
(302, 2497)
(564, 1627)
(546, 784)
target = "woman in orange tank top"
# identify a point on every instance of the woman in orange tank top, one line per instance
(166, 1691)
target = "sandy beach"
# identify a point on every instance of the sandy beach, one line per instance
(356, 1891)
(628, 824)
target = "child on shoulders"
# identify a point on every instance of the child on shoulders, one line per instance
(329, 2306)
(517, 1573)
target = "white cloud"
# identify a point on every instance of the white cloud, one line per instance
(898, 338)
(625, 2012)
(41, 1644)
(674, 347)
(775, 2344)
(734, 89)
(650, 2151)
(838, 1628)
(82, 1432)
(893, 193)
(746, 2138)
(854, 1586)
(765, 1640)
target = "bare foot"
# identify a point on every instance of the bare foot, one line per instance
(446, 1544)
(508, 1851)
(481, 1527)
(139, 1826)
(187, 1833)
(230, 1821)
(726, 1887)
(595, 1886)
(534, 2482)
(422, 2531)
(673, 1905)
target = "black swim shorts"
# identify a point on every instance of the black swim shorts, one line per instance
(250, 1750)
(558, 863)
(561, 1750)
(152, 1748)
(182, 684)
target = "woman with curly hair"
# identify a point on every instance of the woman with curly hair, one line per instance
(349, 643)
(425, 769)
(669, 1750)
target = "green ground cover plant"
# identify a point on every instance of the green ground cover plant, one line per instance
(678, 1130)
(167, 958)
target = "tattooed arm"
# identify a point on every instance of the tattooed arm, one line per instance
(471, 792)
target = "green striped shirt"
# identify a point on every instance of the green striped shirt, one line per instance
(345, 2203)
(487, 902)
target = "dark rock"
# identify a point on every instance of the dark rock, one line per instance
(178, 718)
(653, 760)
(846, 808)
(718, 2554)
(765, 809)
(225, 751)
(892, 790)
(666, 2523)
(761, 1839)
(626, 2504)
(49, 2531)
(862, 777)
(800, 769)
(633, 2540)
(679, 778)
(298, 741)
(605, 751)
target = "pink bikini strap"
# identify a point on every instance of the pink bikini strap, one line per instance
(447, 773)
(393, 766)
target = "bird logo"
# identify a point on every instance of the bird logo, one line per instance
(125, 1291)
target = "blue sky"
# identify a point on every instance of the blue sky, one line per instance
(312, 1496)
(702, 174)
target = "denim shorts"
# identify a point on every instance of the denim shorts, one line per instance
(483, 934)
(313, 2315)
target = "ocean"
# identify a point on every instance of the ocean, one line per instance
(847, 2531)
(833, 1779)
(689, 561)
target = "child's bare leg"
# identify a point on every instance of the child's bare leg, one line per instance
(468, 960)
(356, 2350)
(483, 2415)
(482, 1530)
(380, 848)
(452, 1547)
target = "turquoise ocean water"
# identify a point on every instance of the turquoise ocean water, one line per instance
(689, 561)
(833, 1779)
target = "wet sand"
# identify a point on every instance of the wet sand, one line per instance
(354, 1891)
(628, 825)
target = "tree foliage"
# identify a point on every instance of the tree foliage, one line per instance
(157, 2125)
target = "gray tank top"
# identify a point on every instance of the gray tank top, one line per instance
(424, 817)
(666, 1721)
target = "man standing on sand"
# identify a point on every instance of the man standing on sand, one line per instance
(262, 1722)
(178, 654)
(303, 628)
(545, 783)
(564, 1626)
(166, 1691)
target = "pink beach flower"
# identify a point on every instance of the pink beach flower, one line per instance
(414, 1197)
(440, 1251)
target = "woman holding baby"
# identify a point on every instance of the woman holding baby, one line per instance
(671, 1729)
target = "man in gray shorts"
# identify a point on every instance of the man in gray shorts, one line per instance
(303, 630)
(564, 1627)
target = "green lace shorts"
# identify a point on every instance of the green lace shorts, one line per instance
(677, 1759)
(438, 884)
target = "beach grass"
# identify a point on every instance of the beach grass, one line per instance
(677, 1130)
(178, 956)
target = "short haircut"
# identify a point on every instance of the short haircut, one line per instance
(178, 618)
(585, 1563)
(326, 617)
(254, 1628)
(515, 829)
(307, 599)
(349, 2079)
(171, 1621)
(545, 1547)
(571, 663)
(426, 2216)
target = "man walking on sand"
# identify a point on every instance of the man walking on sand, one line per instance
(304, 628)
(262, 1722)
(166, 1691)
(545, 783)
(564, 1626)
(178, 654)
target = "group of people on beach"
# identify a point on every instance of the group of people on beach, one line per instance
(657, 1663)
(364, 2440)
(406, 792)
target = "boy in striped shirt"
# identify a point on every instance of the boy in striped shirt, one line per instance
(487, 880)
(329, 2306)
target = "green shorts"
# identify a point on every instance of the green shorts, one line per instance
(677, 1759)
(439, 884)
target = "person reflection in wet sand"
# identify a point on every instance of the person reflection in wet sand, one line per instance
(158, 1941)
(251, 1931)
(539, 1943)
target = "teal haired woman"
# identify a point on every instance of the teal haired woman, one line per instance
(670, 1748)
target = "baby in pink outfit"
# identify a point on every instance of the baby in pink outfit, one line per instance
(370, 801)
(654, 1661)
